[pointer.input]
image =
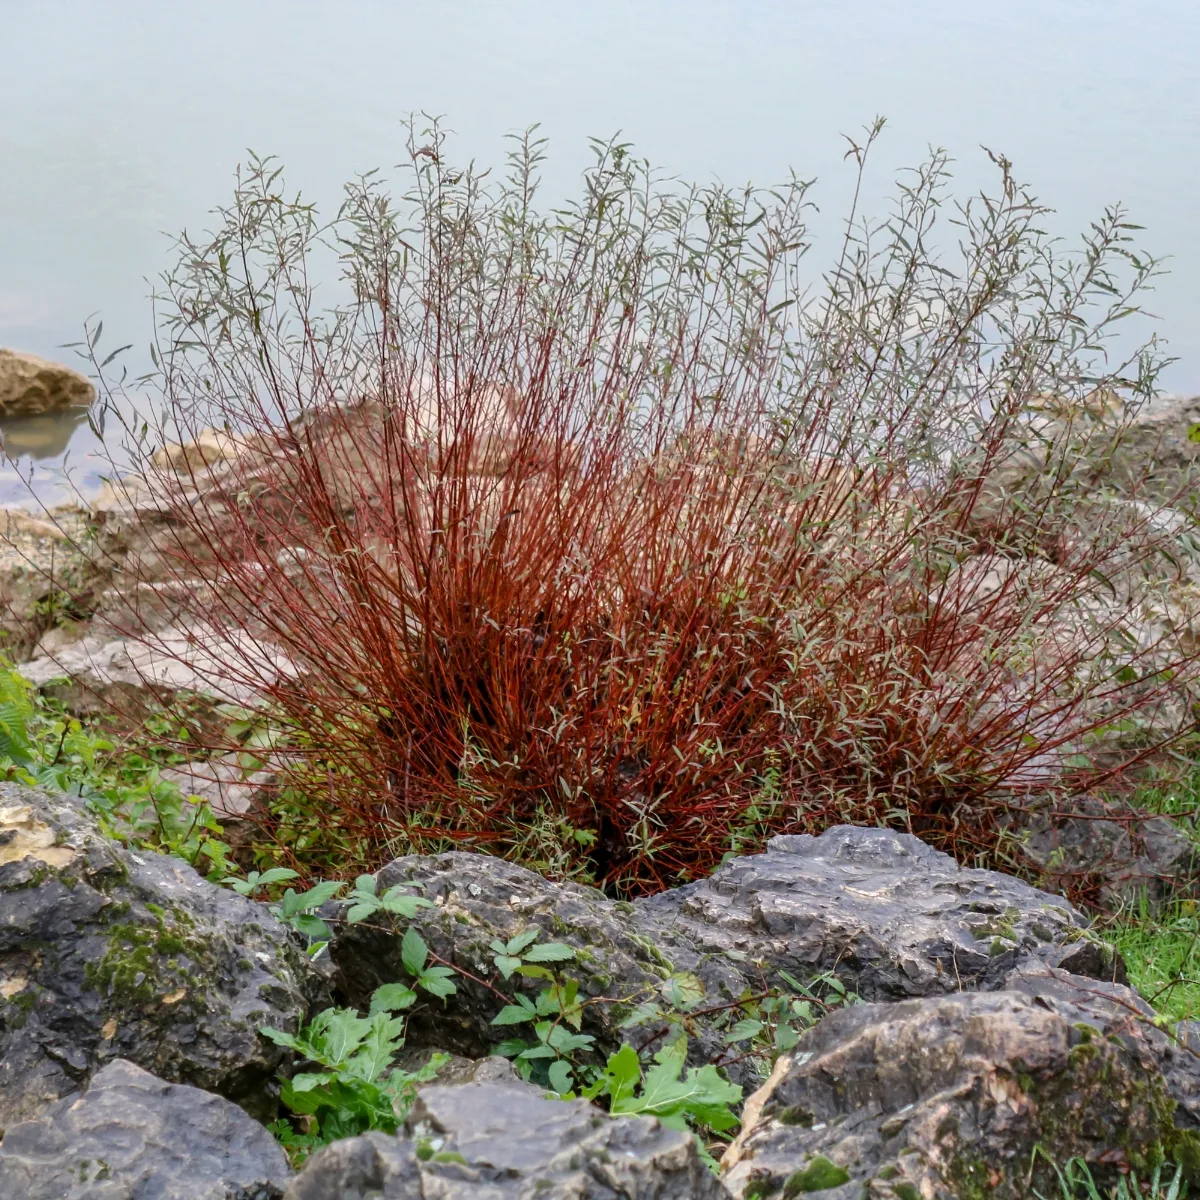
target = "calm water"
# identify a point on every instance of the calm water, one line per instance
(125, 119)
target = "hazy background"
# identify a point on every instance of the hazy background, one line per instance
(125, 119)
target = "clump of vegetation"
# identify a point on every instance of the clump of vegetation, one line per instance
(358, 1088)
(1075, 1182)
(608, 537)
(44, 746)
(599, 525)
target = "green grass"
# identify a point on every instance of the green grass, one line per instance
(1161, 946)
(1162, 952)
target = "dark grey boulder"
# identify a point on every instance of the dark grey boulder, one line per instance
(1102, 848)
(493, 1141)
(134, 1137)
(107, 954)
(889, 916)
(948, 1097)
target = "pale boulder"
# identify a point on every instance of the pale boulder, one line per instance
(30, 385)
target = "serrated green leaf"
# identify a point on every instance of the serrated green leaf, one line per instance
(549, 952)
(506, 965)
(310, 926)
(561, 1076)
(510, 1047)
(306, 1081)
(785, 1037)
(438, 981)
(392, 997)
(382, 1041)
(647, 1011)
(744, 1030)
(402, 903)
(538, 1052)
(515, 1014)
(276, 875)
(623, 1073)
(360, 912)
(683, 990)
(413, 951)
(517, 944)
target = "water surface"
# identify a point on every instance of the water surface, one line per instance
(126, 119)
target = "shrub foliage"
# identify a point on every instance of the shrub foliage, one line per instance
(614, 537)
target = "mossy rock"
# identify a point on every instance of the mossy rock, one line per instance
(106, 954)
(948, 1098)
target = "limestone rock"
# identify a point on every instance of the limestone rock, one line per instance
(1097, 846)
(31, 385)
(231, 791)
(99, 671)
(132, 1136)
(1162, 444)
(948, 1097)
(43, 575)
(892, 917)
(489, 1141)
(107, 954)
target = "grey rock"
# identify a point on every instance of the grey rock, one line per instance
(1156, 451)
(889, 916)
(107, 954)
(31, 385)
(1106, 850)
(99, 672)
(135, 1137)
(493, 1141)
(948, 1097)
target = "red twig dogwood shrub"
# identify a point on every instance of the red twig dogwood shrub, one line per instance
(612, 538)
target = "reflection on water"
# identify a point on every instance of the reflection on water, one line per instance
(56, 458)
(40, 437)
